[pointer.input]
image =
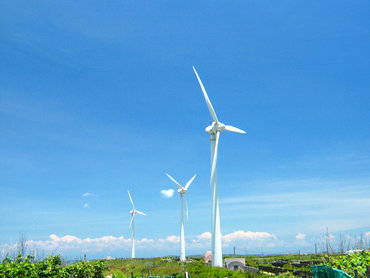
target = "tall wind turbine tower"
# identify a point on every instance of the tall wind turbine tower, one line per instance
(133, 212)
(182, 190)
(214, 130)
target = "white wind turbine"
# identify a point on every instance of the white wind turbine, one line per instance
(133, 212)
(182, 191)
(214, 130)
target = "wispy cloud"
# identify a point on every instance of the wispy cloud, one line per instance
(339, 206)
(167, 193)
(86, 205)
(87, 194)
(31, 110)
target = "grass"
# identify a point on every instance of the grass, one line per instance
(153, 267)
(163, 267)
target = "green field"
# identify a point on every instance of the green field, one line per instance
(139, 267)
(293, 265)
(259, 266)
(196, 268)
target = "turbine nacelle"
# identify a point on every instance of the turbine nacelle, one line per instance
(214, 127)
(182, 191)
(219, 127)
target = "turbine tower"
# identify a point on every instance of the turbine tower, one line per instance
(182, 191)
(214, 130)
(133, 212)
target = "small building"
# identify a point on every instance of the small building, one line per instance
(207, 257)
(235, 264)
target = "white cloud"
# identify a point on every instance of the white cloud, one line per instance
(242, 235)
(87, 194)
(173, 239)
(300, 236)
(301, 240)
(251, 239)
(86, 205)
(206, 235)
(70, 243)
(167, 193)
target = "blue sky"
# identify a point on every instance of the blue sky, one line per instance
(101, 98)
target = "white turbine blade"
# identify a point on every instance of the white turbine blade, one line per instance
(139, 212)
(234, 129)
(189, 182)
(132, 219)
(174, 181)
(214, 159)
(209, 104)
(131, 199)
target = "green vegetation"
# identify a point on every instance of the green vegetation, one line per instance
(350, 262)
(163, 267)
(50, 267)
(153, 267)
(270, 266)
(200, 270)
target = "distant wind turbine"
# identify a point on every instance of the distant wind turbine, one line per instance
(182, 190)
(133, 212)
(214, 130)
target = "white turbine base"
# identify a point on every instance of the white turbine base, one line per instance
(182, 237)
(216, 229)
(133, 243)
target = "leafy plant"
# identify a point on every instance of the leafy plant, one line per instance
(350, 262)
(49, 267)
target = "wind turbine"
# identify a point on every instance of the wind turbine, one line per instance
(182, 191)
(214, 130)
(133, 212)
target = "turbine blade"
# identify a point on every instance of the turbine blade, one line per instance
(214, 159)
(132, 203)
(234, 129)
(189, 182)
(174, 181)
(209, 104)
(132, 220)
(139, 212)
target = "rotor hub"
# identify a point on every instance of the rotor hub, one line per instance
(215, 127)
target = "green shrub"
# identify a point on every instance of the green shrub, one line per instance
(49, 267)
(350, 262)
